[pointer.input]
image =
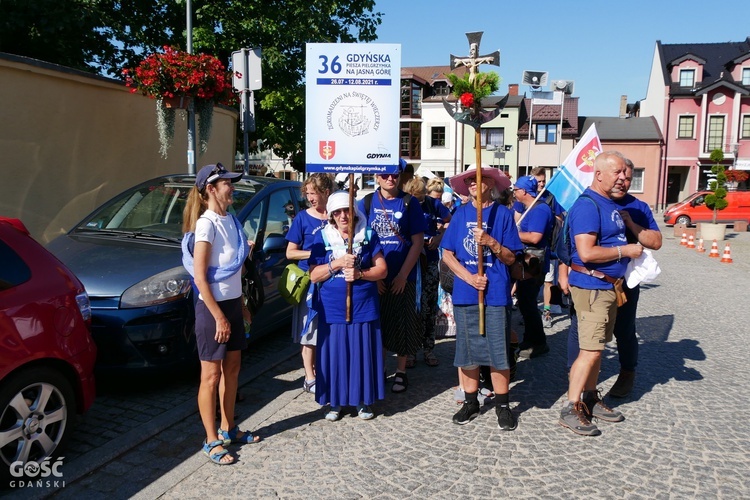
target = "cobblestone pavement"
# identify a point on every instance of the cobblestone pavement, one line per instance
(684, 435)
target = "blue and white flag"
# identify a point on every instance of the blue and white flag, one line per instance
(577, 171)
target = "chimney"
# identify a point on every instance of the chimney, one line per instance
(623, 106)
(512, 89)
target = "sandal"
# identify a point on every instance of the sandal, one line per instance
(216, 457)
(400, 382)
(309, 386)
(411, 361)
(230, 436)
(430, 359)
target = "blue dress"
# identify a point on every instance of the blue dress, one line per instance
(349, 369)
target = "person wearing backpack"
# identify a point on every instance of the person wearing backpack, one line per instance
(399, 222)
(599, 257)
(643, 229)
(535, 231)
(215, 262)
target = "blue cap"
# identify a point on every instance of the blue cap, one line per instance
(528, 183)
(212, 173)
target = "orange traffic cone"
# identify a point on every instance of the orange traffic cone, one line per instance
(714, 250)
(701, 248)
(691, 242)
(683, 241)
(727, 257)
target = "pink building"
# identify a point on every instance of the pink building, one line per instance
(699, 94)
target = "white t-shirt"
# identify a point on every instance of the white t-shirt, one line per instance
(221, 233)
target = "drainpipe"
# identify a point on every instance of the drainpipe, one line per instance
(661, 186)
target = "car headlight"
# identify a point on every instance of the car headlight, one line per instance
(164, 287)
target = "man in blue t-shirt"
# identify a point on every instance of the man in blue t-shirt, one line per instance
(600, 254)
(641, 228)
(535, 230)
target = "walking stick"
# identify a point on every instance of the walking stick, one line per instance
(350, 247)
(480, 202)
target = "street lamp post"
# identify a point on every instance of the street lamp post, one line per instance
(191, 106)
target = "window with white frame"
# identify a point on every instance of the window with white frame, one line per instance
(546, 133)
(745, 76)
(745, 132)
(687, 77)
(686, 127)
(636, 184)
(492, 136)
(715, 139)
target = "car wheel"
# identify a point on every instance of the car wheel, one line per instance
(37, 408)
(683, 219)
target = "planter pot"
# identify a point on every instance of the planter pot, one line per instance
(710, 232)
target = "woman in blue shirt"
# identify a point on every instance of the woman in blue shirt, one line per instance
(316, 188)
(500, 244)
(349, 354)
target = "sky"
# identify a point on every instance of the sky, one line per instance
(605, 47)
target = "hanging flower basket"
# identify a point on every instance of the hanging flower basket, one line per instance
(178, 80)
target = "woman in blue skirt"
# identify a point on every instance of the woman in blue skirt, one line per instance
(349, 354)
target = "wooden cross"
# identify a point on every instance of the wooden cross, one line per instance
(473, 60)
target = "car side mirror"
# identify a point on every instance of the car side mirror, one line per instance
(274, 243)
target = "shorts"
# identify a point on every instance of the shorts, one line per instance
(551, 276)
(473, 349)
(205, 330)
(597, 310)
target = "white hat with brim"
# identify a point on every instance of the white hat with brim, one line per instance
(502, 181)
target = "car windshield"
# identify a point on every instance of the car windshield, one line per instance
(153, 210)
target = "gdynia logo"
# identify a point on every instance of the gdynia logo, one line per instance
(44, 474)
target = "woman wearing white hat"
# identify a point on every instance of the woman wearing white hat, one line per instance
(349, 354)
(500, 244)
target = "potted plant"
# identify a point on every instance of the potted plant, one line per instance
(734, 177)
(717, 200)
(178, 80)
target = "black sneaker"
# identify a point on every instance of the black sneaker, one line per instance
(574, 417)
(467, 413)
(505, 418)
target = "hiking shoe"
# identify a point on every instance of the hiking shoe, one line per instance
(467, 413)
(596, 408)
(623, 385)
(574, 417)
(547, 319)
(505, 418)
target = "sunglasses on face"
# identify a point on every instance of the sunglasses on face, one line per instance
(388, 176)
(470, 181)
(338, 212)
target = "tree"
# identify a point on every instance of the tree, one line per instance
(717, 200)
(105, 36)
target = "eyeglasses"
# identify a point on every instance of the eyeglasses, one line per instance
(386, 176)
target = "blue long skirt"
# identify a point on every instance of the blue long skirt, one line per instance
(349, 364)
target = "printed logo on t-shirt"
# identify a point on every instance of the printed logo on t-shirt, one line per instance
(470, 244)
(617, 219)
(383, 225)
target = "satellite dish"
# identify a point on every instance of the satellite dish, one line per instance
(535, 79)
(565, 86)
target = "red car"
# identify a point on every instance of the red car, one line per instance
(47, 354)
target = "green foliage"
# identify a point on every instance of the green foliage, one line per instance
(717, 200)
(105, 36)
(484, 84)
